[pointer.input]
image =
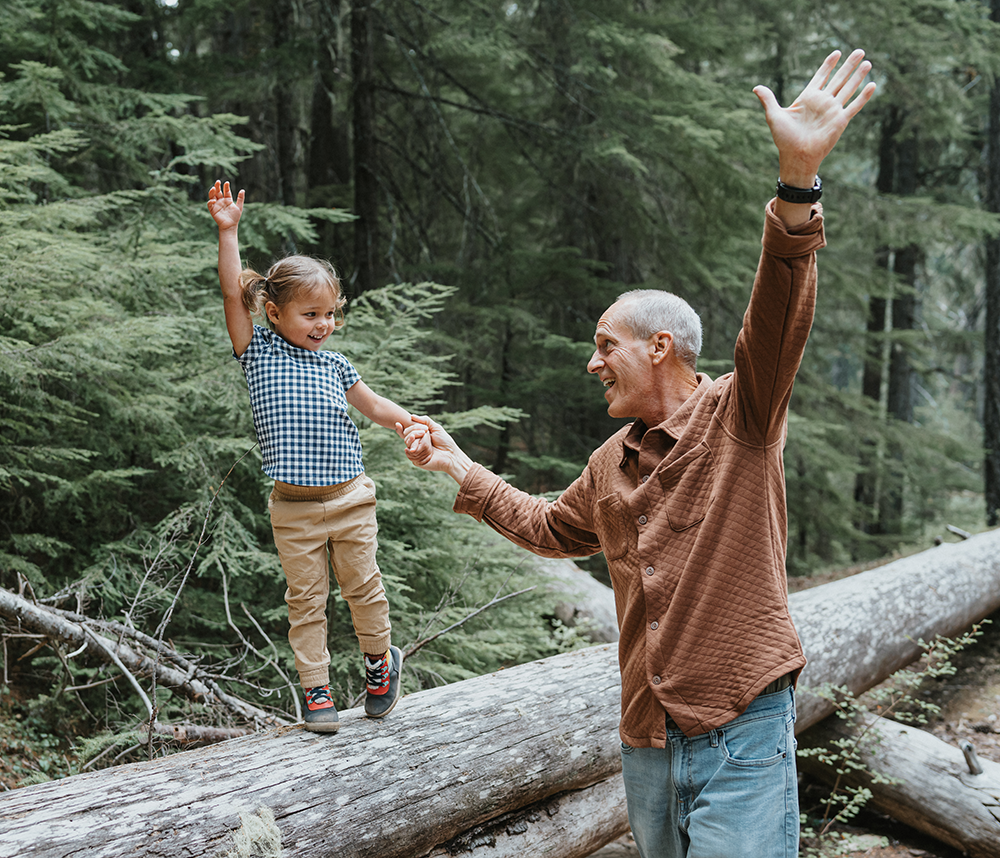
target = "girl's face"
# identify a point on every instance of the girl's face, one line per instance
(307, 320)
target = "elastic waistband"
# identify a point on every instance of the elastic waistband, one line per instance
(288, 492)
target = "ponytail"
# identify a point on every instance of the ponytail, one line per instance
(254, 288)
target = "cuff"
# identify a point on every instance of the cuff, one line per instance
(783, 243)
(475, 491)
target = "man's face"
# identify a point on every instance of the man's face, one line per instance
(624, 364)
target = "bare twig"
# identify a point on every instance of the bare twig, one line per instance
(249, 645)
(55, 625)
(201, 541)
(491, 604)
(407, 653)
(102, 643)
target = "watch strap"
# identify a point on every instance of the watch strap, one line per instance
(799, 195)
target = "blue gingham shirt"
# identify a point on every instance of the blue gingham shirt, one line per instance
(299, 403)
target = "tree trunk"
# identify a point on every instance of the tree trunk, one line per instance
(365, 159)
(495, 749)
(991, 335)
(880, 483)
(933, 789)
(282, 23)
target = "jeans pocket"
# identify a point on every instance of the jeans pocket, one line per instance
(757, 743)
(627, 749)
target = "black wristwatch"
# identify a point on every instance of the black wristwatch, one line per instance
(799, 195)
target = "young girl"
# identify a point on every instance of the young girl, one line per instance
(323, 505)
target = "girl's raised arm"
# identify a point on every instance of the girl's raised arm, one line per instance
(226, 212)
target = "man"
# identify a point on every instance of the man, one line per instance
(688, 505)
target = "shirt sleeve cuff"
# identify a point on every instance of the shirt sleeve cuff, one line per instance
(475, 491)
(783, 243)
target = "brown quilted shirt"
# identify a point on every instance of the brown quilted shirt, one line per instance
(690, 515)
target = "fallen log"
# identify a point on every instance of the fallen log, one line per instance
(858, 631)
(584, 603)
(931, 786)
(446, 761)
(495, 748)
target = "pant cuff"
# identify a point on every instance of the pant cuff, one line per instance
(314, 678)
(375, 646)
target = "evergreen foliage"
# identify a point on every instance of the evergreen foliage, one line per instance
(535, 158)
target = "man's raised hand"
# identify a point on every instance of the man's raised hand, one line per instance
(807, 130)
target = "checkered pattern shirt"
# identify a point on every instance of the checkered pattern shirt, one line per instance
(299, 403)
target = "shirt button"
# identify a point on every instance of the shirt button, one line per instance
(645, 477)
(656, 680)
(649, 570)
(643, 519)
(654, 625)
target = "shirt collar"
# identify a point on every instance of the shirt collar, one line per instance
(669, 428)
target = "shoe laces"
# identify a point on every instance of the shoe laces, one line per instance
(377, 673)
(318, 696)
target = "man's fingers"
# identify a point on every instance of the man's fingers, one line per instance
(851, 86)
(845, 71)
(860, 101)
(822, 74)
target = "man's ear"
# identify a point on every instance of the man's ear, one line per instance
(660, 345)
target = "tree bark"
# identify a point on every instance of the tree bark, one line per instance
(933, 792)
(497, 748)
(991, 334)
(365, 159)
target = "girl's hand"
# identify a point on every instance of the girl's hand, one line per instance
(429, 447)
(417, 439)
(224, 209)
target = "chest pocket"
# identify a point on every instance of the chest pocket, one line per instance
(687, 487)
(614, 529)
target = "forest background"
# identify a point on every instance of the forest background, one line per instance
(487, 177)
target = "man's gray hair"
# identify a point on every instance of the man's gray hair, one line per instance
(647, 311)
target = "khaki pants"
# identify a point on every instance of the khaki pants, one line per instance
(319, 525)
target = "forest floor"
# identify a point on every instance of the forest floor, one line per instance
(970, 710)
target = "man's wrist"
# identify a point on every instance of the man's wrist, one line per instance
(799, 194)
(459, 467)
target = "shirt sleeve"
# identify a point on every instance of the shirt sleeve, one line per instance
(349, 376)
(258, 342)
(776, 327)
(563, 528)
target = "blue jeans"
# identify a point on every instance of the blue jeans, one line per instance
(729, 793)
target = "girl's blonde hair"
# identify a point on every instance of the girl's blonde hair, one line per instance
(286, 280)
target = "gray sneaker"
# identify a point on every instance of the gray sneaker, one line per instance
(320, 713)
(382, 679)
